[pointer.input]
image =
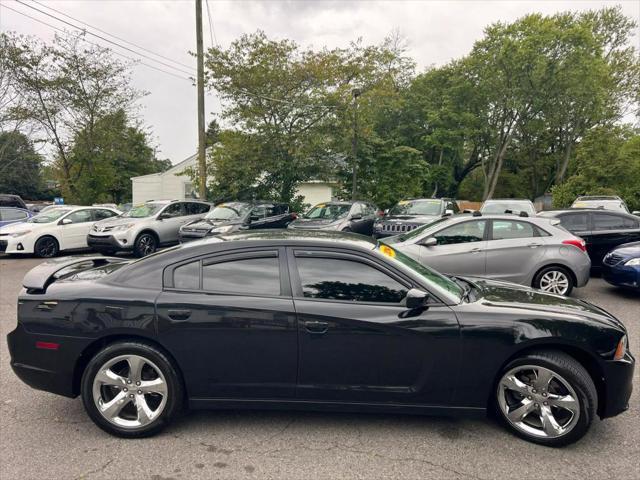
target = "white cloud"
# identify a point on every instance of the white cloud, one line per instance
(437, 31)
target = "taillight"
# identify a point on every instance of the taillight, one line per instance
(576, 242)
(294, 216)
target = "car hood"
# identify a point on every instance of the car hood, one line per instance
(409, 218)
(512, 295)
(24, 225)
(207, 224)
(628, 250)
(314, 222)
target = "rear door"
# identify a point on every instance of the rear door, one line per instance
(461, 249)
(514, 250)
(358, 342)
(230, 322)
(610, 230)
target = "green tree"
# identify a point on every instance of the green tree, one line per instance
(20, 167)
(111, 152)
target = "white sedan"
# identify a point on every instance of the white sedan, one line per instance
(59, 228)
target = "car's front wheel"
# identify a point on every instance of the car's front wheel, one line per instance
(554, 279)
(46, 247)
(145, 244)
(547, 397)
(131, 389)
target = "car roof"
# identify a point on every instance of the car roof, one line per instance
(301, 236)
(508, 200)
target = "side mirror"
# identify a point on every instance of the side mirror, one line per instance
(636, 213)
(356, 216)
(429, 242)
(385, 212)
(66, 221)
(416, 298)
(448, 213)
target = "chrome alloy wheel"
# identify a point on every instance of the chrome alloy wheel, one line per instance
(538, 401)
(555, 281)
(130, 391)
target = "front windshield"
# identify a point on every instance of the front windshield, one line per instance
(143, 210)
(50, 215)
(502, 207)
(417, 207)
(330, 211)
(430, 276)
(228, 211)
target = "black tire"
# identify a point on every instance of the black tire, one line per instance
(577, 377)
(146, 243)
(174, 388)
(539, 279)
(46, 247)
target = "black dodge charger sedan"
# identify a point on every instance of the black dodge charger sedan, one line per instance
(313, 320)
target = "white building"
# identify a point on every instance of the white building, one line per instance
(171, 185)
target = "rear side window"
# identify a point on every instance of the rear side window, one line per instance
(338, 279)
(187, 276)
(575, 222)
(247, 276)
(195, 208)
(9, 214)
(80, 216)
(604, 221)
(101, 214)
(507, 229)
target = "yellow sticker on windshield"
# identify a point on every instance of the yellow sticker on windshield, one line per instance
(403, 202)
(579, 205)
(388, 251)
(321, 205)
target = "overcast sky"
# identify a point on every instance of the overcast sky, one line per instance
(436, 31)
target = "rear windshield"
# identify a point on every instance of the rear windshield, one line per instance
(328, 211)
(507, 207)
(228, 211)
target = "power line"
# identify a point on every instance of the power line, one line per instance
(102, 38)
(97, 44)
(212, 31)
(112, 35)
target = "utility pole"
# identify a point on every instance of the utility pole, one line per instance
(202, 165)
(354, 145)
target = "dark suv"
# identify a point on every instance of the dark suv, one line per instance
(413, 213)
(356, 217)
(232, 216)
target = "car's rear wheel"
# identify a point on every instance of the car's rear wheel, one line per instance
(46, 247)
(554, 279)
(131, 389)
(547, 398)
(145, 244)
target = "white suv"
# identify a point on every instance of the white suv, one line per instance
(59, 228)
(146, 226)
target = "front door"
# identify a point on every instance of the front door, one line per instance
(358, 343)
(461, 249)
(230, 322)
(171, 219)
(74, 234)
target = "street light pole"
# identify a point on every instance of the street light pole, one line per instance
(354, 145)
(202, 165)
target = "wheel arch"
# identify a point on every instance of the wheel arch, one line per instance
(91, 350)
(583, 357)
(45, 235)
(150, 231)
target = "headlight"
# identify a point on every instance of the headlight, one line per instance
(634, 262)
(126, 226)
(222, 229)
(621, 348)
(20, 234)
(377, 226)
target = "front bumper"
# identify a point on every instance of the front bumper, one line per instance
(108, 243)
(618, 385)
(621, 276)
(23, 244)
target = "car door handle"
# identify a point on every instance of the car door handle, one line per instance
(475, 250)
(534, 245)
(313, 326)
(179, 315)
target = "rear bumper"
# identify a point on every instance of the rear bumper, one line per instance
(46, 369)
(618, 384)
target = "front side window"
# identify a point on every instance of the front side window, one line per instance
(338, 279)
(465, 232)
(507, 229)
(248, 276)
(173, 210)
(81, 216)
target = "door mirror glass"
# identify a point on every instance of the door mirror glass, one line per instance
(356, 216)
(66, 221)
(636, 212)
(429, 242)
(416, 298)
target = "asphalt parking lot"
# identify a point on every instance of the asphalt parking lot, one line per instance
(46, 436)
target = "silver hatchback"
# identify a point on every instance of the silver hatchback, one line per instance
(531, 251)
